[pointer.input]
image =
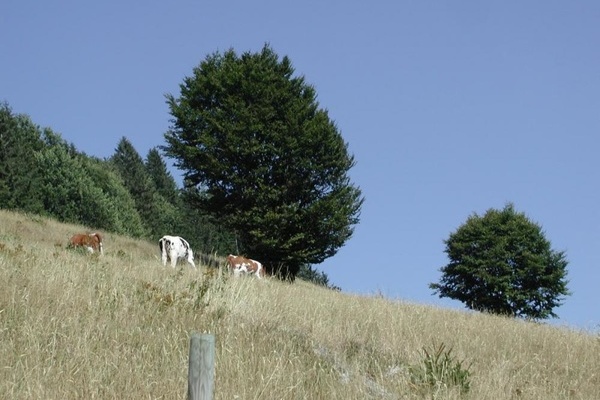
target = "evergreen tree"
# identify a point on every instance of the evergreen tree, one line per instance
(132, 170)
(502, 263)
(19, 173)
(270, 164)
(163, 180)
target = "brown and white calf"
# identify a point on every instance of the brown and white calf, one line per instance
(173, 248)
(90, 241)
(239, 264)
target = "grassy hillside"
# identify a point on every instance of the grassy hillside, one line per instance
(79, 326)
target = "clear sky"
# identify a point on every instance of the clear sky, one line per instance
(449, 108)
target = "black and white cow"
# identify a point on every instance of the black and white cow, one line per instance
(173, 248)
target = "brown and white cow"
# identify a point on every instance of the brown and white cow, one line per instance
(173, 248)
(90, 241)
(239, 264)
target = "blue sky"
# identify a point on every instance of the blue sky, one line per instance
(449, 108)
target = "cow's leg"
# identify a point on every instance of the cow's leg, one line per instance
(190, 258)
(173, 256)
(164, 258)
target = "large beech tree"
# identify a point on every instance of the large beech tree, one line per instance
(266, 161)
(502, 263)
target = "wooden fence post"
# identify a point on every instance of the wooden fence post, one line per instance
(201, 371)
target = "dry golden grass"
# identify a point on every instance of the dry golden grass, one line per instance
(79, 326)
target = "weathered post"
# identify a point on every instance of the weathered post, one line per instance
(201, 371)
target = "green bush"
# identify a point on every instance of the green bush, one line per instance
(441, 369)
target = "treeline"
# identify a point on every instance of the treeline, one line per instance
(41, 173)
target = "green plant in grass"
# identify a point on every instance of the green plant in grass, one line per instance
(441, 369)
(201, 290)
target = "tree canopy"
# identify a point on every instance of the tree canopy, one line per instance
(43, 174)
(502, 263)
(265, 160)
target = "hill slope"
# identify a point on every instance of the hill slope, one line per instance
(76, 326)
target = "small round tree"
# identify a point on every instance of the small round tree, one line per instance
(503, 264)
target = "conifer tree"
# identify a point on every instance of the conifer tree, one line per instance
(163, 180)
(132, 170)
(20, 141)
